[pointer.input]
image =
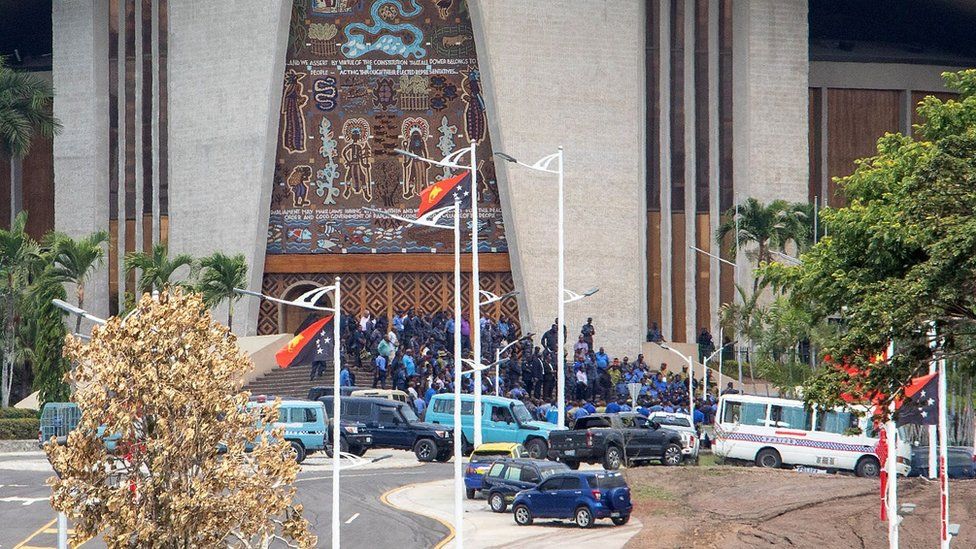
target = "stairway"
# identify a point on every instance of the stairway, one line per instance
(293, 382)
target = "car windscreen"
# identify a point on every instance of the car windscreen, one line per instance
(605, 482)
(521, 413)
(672, 421)
(408, 413)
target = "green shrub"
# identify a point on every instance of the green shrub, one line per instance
(17, 413)
(19, 429)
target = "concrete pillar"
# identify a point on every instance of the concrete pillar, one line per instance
(81, 151)
(571, 73)
(225, 81)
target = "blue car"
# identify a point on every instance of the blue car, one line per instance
(582, 497)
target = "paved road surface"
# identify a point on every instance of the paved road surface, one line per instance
(27, 518)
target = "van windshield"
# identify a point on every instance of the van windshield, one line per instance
(521, 413)
(408, 413)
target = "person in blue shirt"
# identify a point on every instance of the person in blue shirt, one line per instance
(643, 411)
(699, 416)
(589, 407)
(409, 364)
(420, 406)
(656, 408)
(429, 393)
(552, 416)
(344, 380)
(379, 377)
(602, 360)
(542, 410)
(613, 407)
(579, 411)
(667, 408)
(624, 407)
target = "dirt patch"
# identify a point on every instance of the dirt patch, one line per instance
(744, 507)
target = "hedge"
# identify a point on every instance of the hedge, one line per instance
(17, 413)
(19, 429)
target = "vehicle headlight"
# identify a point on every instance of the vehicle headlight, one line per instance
(441, 434)
(351, 429)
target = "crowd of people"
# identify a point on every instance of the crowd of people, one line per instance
(413, 352)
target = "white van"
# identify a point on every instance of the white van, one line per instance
(775, 431)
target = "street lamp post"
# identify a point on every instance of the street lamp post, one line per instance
(432, 219)
(691, 376)
(484, 298)
(717, 352)
(309, 300)
(501, 351)
(544, 165)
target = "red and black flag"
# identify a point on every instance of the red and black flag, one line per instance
(920, 405)
(445, 192)
(313, 344)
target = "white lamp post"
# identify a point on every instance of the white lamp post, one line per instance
(485, 298)
(691, 376)
(717, 352)
(544, 165)
(433, 219)
(309, 300)
(499, 352)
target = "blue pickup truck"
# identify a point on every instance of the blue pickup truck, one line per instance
(308, 429)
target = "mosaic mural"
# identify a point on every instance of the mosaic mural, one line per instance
(365, 77)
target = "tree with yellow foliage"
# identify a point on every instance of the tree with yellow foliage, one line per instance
(167, 453)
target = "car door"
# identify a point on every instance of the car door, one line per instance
(633, 437)
(545, 503)
(655, 439)
(569, 492)
(390, 427)
(499, 424)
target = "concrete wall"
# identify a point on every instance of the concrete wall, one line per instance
(225, 81)
(81, 151)
(770, 63)
(571, 73)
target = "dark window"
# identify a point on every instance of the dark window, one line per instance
(606, 481)
(551, 484)
(570, 483)
(530, 475)
(501, 414)
(387, 416)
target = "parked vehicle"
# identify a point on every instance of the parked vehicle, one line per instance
(961, 462)
(502, 420)
(682, 424)
(616, 440)
(60, 418)
(308, 429)
(772, 432)
(327, 390)
(390, 394)
(508, 476)
(481, 459)
(583, 497)
(394, 424)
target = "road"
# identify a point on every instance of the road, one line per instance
(27, 518)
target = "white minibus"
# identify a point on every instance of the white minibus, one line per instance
(772, 432)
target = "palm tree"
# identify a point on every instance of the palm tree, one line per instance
(219, 275)
(74, 261)
(25, 111)
(768, 227)
(156, 267)
(20, 258)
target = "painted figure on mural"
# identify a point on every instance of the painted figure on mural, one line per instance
(298, 183)
(474, 109)
(414, 133)
(293, 103)
(357, 157)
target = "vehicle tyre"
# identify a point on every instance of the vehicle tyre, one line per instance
(868, 467)
(470, 492)
(425, 449)
(523, 517)
(768, 457)
(613, 459)
(299, 451)
(583, 517)
(574, 465)
(672, 455)
(620, 521)
(537, 448)
(497, 502)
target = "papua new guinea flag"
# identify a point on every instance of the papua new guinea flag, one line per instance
(313, 344)
(921, 403)
(445, 192)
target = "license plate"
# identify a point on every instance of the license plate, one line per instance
(614, 515)
(570, 452)
(369, 440)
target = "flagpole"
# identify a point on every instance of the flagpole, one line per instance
(943, 453)
(458, 474)
(336, 433)
(933, 465)
(892, 469)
